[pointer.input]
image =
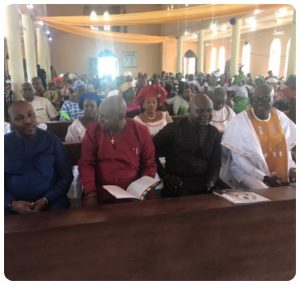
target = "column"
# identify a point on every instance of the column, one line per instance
(179, 54)
(200, 44)
(13, 36)
(291, 68)
(42, 52)
(235, 48)
(29, 45)
(40, 47)
(48, 59)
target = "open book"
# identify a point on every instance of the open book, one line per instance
(137, 189)
(240, 197)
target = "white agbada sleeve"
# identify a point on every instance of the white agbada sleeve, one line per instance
(242, 154)
(75, 132)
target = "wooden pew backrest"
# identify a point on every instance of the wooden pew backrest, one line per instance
(73, 151)
(177, 118)
(59, 128)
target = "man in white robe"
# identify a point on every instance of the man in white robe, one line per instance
(245, 160)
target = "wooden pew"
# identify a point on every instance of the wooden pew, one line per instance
(177, 118)
(201, 237)
(59, 128)
(73, 151)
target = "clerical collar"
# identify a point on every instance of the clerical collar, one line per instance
(258, 119)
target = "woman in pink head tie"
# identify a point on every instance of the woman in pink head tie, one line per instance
(150, 98)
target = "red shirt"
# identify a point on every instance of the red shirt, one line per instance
(130, 156)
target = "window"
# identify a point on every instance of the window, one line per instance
(221, 64)
(246, 57)
(213, 55)
(189, 65)
(189, 62)
(108, 64)
(287, 56)
(274, 59)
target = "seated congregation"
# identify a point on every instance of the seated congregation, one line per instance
(125, 133)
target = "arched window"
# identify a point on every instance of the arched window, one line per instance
(287, 53)
(189, 62)
(213, 57)
(221, 64)
(274, 59)
(246, 57)
(108, 64)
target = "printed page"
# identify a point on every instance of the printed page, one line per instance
(141, 186)
(118, 192)
(240, 197)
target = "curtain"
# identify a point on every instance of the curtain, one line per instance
(76, 25)
(202, 12)
(110, 36)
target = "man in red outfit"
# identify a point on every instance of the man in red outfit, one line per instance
(115, 151)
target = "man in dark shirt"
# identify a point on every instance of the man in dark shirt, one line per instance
(192, 150)
(42, 74)
(37, 174)
(9, 96)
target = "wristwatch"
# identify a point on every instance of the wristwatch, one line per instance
(10, 204)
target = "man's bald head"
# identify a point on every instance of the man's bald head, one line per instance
(201, 107)
(262, 100)
(219, 98)
(112, 112)
(263, 90)
(201, 100)
(114, 105)
(15, 106)
(37, 84)
(22, 118)
(27, 91)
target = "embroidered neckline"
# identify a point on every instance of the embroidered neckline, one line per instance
(228, 113)
(260, 120)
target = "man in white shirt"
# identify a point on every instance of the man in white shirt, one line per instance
(42, 107)
(222, 114)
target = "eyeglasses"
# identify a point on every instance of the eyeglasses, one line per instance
(262, 99)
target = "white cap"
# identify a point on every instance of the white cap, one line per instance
(72, 76)
(127, 73)
(271, 80)
(241, 92)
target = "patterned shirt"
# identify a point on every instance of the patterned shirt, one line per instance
(70, 111)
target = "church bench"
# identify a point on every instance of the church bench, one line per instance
(200, 237)
(59, 128)
(177, 118)
(73, 151)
